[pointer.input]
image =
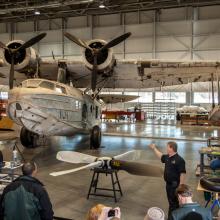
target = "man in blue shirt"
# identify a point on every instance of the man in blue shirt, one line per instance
(187, 206)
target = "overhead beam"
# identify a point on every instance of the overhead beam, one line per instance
(93, 8)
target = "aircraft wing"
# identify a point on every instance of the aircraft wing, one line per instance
(130, 73)
(154, 73)
(4, 76)
(149, 73)
(116, 98)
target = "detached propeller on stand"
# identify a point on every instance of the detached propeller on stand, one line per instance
(15, 53)
(133, 168)
(96, 52)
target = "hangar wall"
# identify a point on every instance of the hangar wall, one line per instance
(182, 33)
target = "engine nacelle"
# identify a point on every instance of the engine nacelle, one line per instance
(26, 60)
(105, 60)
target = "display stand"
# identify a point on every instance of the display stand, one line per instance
(114, 181)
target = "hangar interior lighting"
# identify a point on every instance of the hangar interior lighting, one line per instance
(37, 12)
(101, 5)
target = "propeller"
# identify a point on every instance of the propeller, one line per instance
(75, 157)
(96, 52)
(139, 169)
(77, 41)
(108, 162)
(116, 41)
(16, 53)
(91, 165)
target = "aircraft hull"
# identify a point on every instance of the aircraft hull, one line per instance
(45, 114)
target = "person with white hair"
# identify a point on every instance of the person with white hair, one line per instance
(155, 213)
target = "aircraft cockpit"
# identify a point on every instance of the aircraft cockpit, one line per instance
(46, 84)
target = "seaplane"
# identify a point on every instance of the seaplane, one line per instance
(51, 108)
(98, 66)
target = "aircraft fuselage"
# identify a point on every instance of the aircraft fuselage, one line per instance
(52, 109)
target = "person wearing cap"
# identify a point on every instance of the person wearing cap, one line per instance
(188, 208)
(174, 172)
(155, 213)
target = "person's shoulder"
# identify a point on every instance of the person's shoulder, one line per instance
(203, 209)
(177, 213)
(179, 157)
(12, 186)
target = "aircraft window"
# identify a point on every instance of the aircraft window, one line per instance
(84, 112)
(78, 104)
(60, 89)
(47, 85)
(31, 83)
(96, 112)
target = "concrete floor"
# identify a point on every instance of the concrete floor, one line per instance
(68, 193)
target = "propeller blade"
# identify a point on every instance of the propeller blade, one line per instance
(91, 165)
(75, 157)
(130, 155)
(94, 73)
(32, 41)
(77, 41)
(3, 46)
(116, 41)
(53, 55)
(11, 74)
(139, 169)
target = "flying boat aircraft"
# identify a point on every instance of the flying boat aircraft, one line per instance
(49, 108)
(45, 107)
(98, 68)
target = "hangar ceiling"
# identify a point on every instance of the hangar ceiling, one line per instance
(27, 9)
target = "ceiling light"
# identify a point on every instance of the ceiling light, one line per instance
(37, 12)
(101, 5)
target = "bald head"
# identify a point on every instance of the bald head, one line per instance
(29, 168)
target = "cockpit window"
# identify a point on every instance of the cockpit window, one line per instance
(60, 89)
(47, 85)
(31, 83)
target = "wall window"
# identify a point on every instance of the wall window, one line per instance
(145, 97)
(132, 93)
(3, 95)
(177, 97)
(204, 97)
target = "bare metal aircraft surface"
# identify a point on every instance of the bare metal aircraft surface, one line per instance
(98, 68)
(45, 107)
(49, 108)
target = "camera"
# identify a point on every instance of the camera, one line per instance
(111, 213)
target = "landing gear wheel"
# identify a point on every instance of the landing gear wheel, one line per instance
(95, 137)
(27, 138)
